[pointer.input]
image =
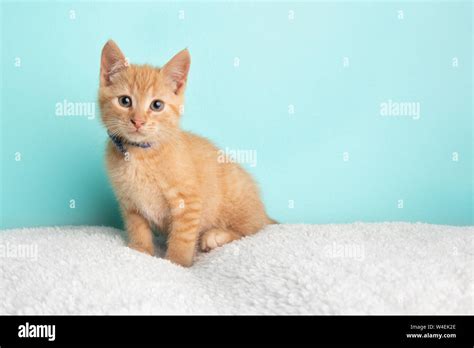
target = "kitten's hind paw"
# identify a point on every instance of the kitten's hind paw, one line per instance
(214, 238)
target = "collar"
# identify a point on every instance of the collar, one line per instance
(120, 143)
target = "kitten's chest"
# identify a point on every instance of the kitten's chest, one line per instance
(137, 185)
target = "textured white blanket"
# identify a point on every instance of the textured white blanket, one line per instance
(286, 269)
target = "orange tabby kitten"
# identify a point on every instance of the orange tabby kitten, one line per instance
(162, 175)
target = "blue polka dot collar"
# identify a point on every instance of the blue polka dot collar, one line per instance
(120, 143)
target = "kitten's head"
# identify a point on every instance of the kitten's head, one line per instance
(141, 103)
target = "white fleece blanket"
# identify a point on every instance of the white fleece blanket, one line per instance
(360, 268)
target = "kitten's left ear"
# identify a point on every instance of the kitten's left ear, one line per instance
(111, 62)
(176, 70)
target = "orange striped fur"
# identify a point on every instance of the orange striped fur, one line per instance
(178, 185)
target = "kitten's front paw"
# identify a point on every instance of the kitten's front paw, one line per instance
(179, 260)
(146, 249)
(184, 259)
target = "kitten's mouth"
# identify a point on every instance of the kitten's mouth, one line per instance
(133, 131)
(136, 135)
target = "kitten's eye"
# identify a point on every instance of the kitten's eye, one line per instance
(157, 105)
(125, 101)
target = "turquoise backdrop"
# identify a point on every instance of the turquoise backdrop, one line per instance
(356, 111)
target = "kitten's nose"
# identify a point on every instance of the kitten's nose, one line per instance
(137, 123)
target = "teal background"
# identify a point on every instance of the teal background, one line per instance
(282, 62)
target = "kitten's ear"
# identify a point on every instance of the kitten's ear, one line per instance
(111, 62)
(176, 70)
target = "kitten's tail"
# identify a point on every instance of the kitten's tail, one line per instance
(270, 221)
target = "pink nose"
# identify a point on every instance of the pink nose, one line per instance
(137, 123)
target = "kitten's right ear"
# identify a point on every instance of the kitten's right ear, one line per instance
(111, 62)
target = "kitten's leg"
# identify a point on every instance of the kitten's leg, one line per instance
(186, 217)
(214, 238)
(139, 233)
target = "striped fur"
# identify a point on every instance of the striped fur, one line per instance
(178, 185)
